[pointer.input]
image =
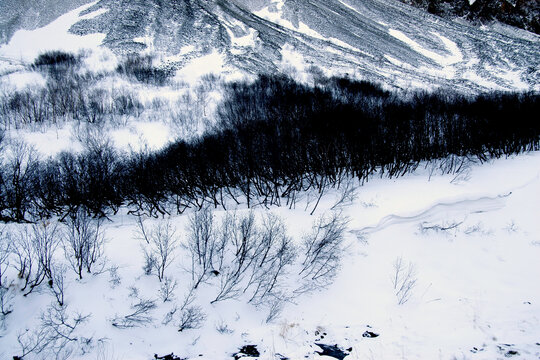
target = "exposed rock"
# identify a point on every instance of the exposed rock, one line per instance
(170, 356)
(247, 351)
(332, 351)
(370, 334)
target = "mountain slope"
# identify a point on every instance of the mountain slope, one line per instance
(379, 40)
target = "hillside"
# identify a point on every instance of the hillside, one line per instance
(267, 179)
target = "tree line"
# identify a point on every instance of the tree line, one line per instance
(274, 139)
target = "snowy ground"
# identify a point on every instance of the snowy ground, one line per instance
(476, 294)
(470, 242)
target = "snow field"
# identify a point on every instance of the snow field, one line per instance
(475, 291)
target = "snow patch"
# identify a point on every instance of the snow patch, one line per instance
(26, 45)
(455, 57)
(211, 63)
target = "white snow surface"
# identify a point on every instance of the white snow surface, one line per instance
(476, 297)
(26, 45)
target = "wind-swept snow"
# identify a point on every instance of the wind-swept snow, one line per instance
(25, 45)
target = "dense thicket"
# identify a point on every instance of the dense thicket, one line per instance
(523, 14)
(276, 138)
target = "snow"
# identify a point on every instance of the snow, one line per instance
(454, 58)
(476, 284)
(26, 45)
(208, 64)
(142, 134)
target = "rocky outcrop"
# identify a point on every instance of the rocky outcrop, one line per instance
(524, 14)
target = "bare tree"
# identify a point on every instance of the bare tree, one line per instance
(45, 242)
(20, 170)
(323, 251)
(83, 241)
(274, 254)
(6, 296)
(57, 283)
(5, 254)
(239, 255)
(34, 251)
(160, 248)
(404, 280)
(201, 244)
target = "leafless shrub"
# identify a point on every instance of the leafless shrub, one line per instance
(323, 251)
(477, 228)
(445, 226)
(83, 242)
(166, 291)
(150, 262)
(159, 251)
(45, 243)
(459, 166)
(201, 244)
(275, 252)
(192, 317)
(169, 316)
(114, 277)
(5, 254)
(6, 295)
(404, 280)
(34, 251)
(239, 255)
(347, 194)
(57, 283)
(511, 227)
(55, 337)
(275, 307)
(223, 328)
(139, 317)
(19, 173)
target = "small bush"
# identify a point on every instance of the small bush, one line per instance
(55, 58)
(141, 68)
(56, 63)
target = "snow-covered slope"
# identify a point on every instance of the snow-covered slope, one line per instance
(471, 242)
(380, 40)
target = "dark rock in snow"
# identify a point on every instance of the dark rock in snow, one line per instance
(370, 334)
(247, 351)
(511, 353)
(170, 356)
(332, 351)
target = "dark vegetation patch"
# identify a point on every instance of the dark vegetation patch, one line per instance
(274, 139)
(67, 94)
(55, 58)
(523, 14)
(56, 63)
(140, 68)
